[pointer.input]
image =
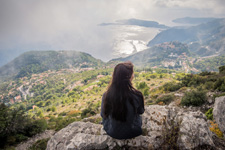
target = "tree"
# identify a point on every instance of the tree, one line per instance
(143, 87)
(221, 69)
(16, 125)
(194, 98)
(53, 108)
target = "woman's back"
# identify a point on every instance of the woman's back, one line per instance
(131, 127)
(122, 104)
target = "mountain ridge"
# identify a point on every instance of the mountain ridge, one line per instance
(40, 61)
(171, 52)
(193, 20)
(137, 22)
(210, 34)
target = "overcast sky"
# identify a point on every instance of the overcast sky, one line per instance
(73, 24)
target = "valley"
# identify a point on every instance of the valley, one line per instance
(60, 97)
(48, 90)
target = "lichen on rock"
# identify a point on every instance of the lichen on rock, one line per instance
(219, 112)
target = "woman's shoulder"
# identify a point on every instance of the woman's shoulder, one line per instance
(136, 98)
(137, 95)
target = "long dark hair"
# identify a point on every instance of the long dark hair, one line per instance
(119, 91)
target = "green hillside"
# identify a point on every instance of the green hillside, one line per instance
(168, 54)
(54, 99)
(208, 38)
(210, 64)
(40, 61)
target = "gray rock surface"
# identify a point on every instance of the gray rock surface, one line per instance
(194, 130)
(164, 128)
(219, 112)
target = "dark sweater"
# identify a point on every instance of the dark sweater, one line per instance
(125, 130)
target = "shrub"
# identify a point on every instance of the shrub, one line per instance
(209, 114)
(172, 86)
(187, 79)
(59, 122)
(146, 92)
(221, 69)
(20, 137)
(36, 127)
(87, 112)
(153, 76)
(218, 95)
(205, 73)
(214, 128)
(148, 79)
(220, 84)
(62, 123)
(72, 93)
(170, 135)
(160, 76)
(16, 126)
(144, 131)
(166, 99)
(160, 103)
(62, 114)
(209, 85)
(197, 80)
(193, 80)
(74, 113)
(40, 114)
(143, 87)
(39, 145)
(10, 148)
(53, 108)
(194, 98)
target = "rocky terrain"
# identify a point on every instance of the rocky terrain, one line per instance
(164, 127)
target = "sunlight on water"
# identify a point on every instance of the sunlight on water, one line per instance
(129, 39)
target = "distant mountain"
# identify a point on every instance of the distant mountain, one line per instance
(191, 20)
(40, 61)
(137, 22)
(204, 39)
(174, 55)
(165, 55)
(8, 55)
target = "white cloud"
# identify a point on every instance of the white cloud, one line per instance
(215, 7)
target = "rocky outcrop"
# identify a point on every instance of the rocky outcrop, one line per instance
(163, 128)
(219, 112)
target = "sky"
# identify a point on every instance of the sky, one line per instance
(74, 24)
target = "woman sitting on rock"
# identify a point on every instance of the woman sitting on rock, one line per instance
(122, 105)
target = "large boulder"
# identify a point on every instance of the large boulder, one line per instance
(219, 112)
(86, 135)
(194, 131)
(163, 128)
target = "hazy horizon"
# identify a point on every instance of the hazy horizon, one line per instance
(74, 25)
